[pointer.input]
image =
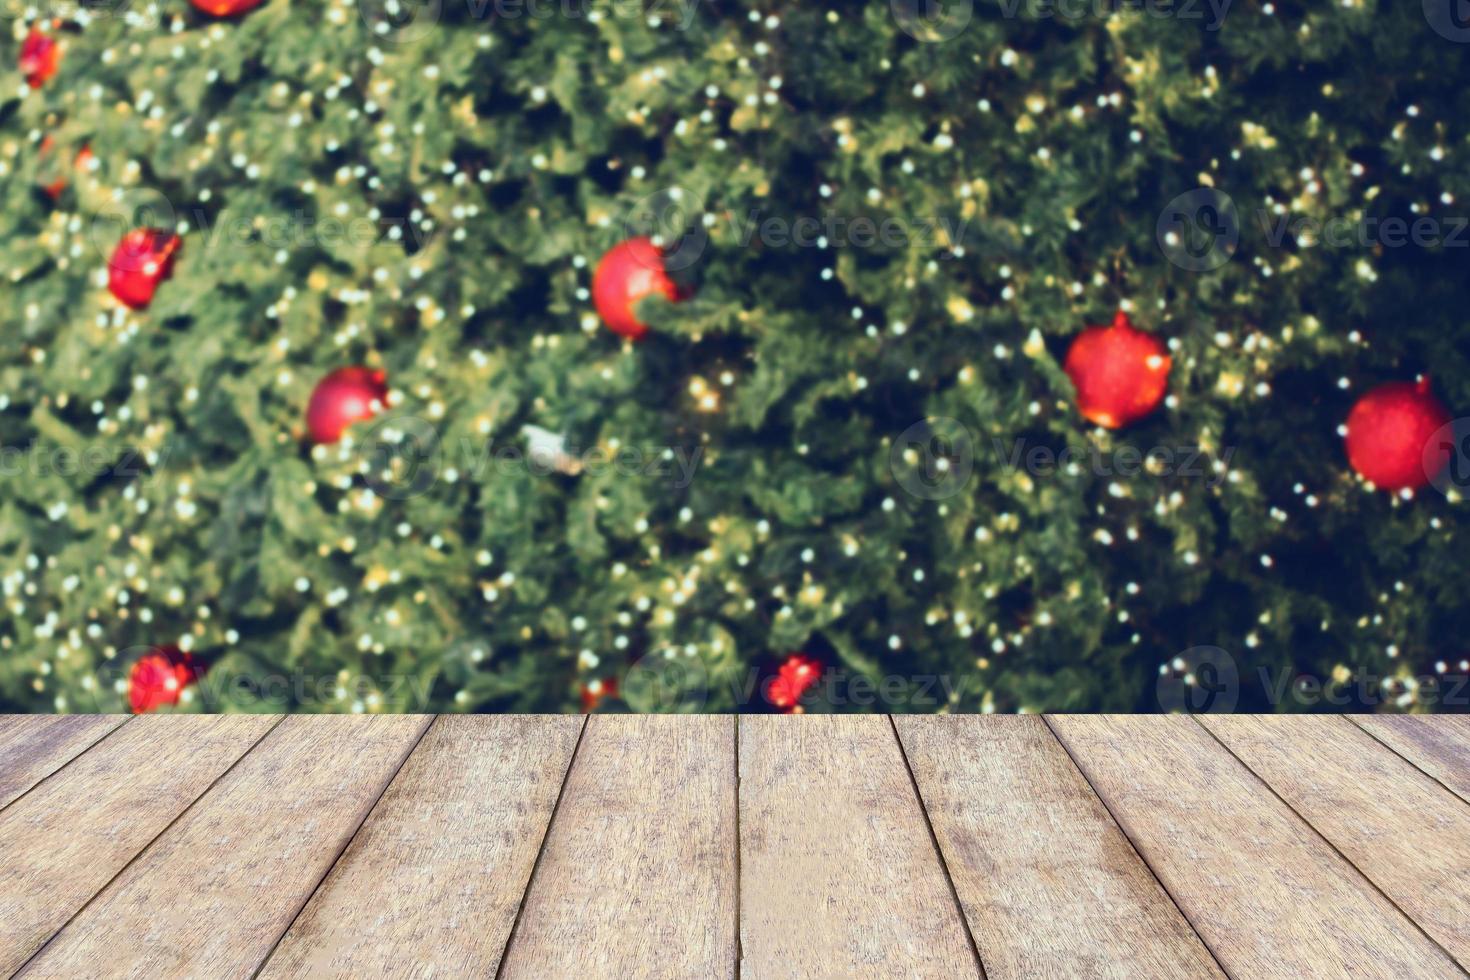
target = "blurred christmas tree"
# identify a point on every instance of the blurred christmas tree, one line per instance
(882, 225)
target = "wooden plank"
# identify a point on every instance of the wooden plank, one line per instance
(1269, 896)
(1438, 745)
(1050, 885)
(637, 876)
(1408, 834)
(211, 897)
(63, 841)
(431, 884)
(839, 876)
(32, 748)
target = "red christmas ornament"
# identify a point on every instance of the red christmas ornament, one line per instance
(627, 273)
(40, 54)
(797, 673)
(594, 691)
(142, 260)
(159, 677)
(1121, 373)
(347, 395)
(226, 8)
(1388, 435)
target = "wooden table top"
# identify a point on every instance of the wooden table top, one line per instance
(717, 846)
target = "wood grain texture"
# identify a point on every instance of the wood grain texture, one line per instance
(637, 876)
(839, 876)
(212, 895)
(431, 884)
(1050, 885)
(1439, 745)
(33, 748)
(1270, 897)
(1409, 835)
(63, 841)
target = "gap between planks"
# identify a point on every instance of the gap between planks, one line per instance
(566, 778)
(1331, 843)
(1374, 732)
(144, 849)
(327, 872)
(938, 851)
(1138, 852)
(65, 762)
(739, 880)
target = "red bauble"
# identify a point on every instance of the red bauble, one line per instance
(1121, 373)
(593, 692)
(1388, 434)
(347, 395)
(630, 271)
(40, 54)
(143, 259)
(797, 673)
(226, 8)
(159, 677)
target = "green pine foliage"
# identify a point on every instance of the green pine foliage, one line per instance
(427, 189)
